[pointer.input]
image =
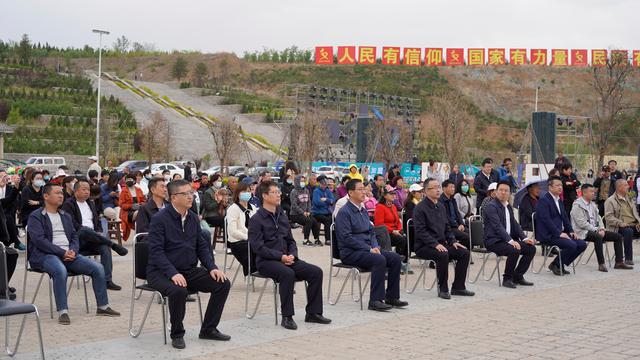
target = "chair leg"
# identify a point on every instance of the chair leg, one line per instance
(200, 308)
(421, 276)
(359, 275)
(164, 319)
(50, 297)
(86, 299)
(12, 352)
(275, 300)
(255, 310)
(344, 283)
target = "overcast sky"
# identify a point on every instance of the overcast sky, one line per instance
(238, 25)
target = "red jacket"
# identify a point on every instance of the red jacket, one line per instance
(387, 216)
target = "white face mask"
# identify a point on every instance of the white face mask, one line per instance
(167, 178)
(303, 184)
(217, 184)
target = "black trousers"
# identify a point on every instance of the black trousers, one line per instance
(326, 220)
(309, 224)
(514, 269)
(240, 252)
(198, 279)
(609, 236)
(379, 265)
(442, 265)
(286, 277)
(462, 237)
(215, 221)
(12, 261)
(400, 242)
(12, 228)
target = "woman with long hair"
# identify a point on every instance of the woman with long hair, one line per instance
(238, 215)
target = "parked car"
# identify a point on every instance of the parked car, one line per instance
(334, 172)
(159, 168)
(134, 165)
(212, 170)
(50, 163)
(237, 170)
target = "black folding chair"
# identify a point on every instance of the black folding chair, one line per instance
(424, 265)
(10, 308)
(140, 260)
(354, 273)
(229, 265)
(476, 234)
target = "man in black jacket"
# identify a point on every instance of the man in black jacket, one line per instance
(157, 201)
(484, 177)
(89, 230)
(175, 248)
(9, 200)
(453, 215)
(435, 241)
(277, 257)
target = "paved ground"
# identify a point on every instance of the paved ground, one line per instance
(590, 315)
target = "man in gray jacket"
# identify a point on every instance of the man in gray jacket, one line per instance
(587, 224)
(622, 217)
(300, 211)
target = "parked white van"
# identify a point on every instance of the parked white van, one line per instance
(50, 163)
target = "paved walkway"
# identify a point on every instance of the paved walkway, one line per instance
(590, 315)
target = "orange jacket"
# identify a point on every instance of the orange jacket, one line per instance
(387, 216)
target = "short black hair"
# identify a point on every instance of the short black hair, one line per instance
(447, 183)
(427, 181)
(487, 161)
(81, 180)
(503, 182)
(566, 166)
(33, 174)
(173, 186)
(345, 179)
(104, 172)
(612, 161)
(585, 186)
(92, 173)
(46, 189)
(376, 176)
(154, 181)
(147, 171)
(67, 179)
(166, 171)
(553, 178)
(264, 187)
(352, 183)
(506, 160)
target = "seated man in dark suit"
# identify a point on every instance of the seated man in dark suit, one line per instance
(270, 238)
(358, 247)
(503, 236)
(87, 223)
(435, 241)
(553, 227)
(175, 246)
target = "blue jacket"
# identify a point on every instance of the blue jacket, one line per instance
(322, 207)
(108, 201)
(451, 206)
(549, 224)
(495, 224)
(503, 175)
(269, 236)
(172, 248)
(41, 237)
(354, 230)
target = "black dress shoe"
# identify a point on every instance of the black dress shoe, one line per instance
(190, 298)
(214, 335)
(288, 323)
(524, 282)
(119, 249)
(397, 303)
(113, 286)
(178, 343)
(509, 284)
(316, 318)
(565, 271)
(462, 292)
(379, 306)
(444, 295)
(555, 269)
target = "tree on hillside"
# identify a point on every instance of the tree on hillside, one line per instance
(121, 45)
(24, 49)
(180, 68)
(310, 133)
(609, 85)
(453, 123)
(227, 139)
(157, 139)
(200, 73)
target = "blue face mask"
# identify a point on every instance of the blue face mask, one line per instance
(245, 196)
(47, 177)
(464, 188)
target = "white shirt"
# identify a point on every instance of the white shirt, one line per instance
(556, 200)
(87, 215)
(508, 222)
(182, 217)
(637, 186)
(339, 204)
(59, 236)
(3, 192)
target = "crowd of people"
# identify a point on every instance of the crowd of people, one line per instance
(66, 217)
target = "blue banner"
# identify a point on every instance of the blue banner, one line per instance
(410, 173)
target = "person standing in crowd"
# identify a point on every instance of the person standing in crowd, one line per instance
(456, 175)
(175, 249)
(570, 185)
(393, 172)
(464, 200)
(435, 241)
(131, 199)
(321, 209)
(188, 171)
(615, 173)
(277, 258)
(301, 211)
(621, 216)
(604, 188)
(401, 193)
(560, 160)
(483, 179)
(378, 186)
(589, 226)
(238, 216)
(505, 173)
(357, 244)
(433, 172)
(93, 164)
(354, 174)
(8, 200)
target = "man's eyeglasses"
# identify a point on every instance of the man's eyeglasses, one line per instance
(275, 192)
(186, 193)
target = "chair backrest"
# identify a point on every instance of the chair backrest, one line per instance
(140, 256)
(533, 224)
(4, 280)
(476, 231)
(335, 251)
(382, 236)
(409, 232)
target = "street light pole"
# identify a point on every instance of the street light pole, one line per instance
(100, 33)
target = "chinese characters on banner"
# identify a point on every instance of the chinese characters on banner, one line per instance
(416, 56)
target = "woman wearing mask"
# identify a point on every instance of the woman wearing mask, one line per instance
(31, 196)
(301, 211)
(238, 216)
(216, 181)
(131, 198)
(465, 202)
(287, 187)
(166, 175)
(110, 194)
(143, 184)
(67, 185)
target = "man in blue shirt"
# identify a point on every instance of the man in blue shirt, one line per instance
(322, 206)
(175, 246)
(358, 247)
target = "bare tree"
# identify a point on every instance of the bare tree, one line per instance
(389, 140)
(157, 139)
(609, 84)
(121, 45)
(451, 116)
(311, 132)
(227, 138)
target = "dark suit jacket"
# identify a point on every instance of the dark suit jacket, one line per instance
(71, 207)
(10, 200)
(549, 224)
(495, 224)
(527, 208)
(481, 183)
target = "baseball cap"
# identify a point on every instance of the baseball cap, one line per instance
(415, 187)
(249, 180)
(492, 186)
(94, 158)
